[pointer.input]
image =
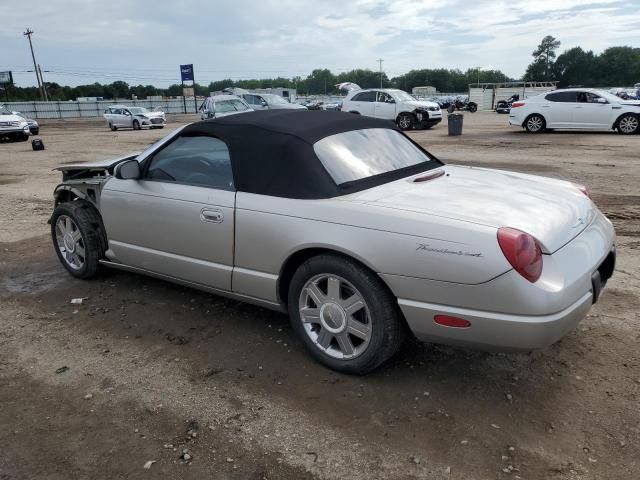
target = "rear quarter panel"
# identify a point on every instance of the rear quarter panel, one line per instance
(269, 230)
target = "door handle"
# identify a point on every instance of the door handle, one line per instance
(211, 215)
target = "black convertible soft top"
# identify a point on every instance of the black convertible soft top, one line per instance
(272, 150)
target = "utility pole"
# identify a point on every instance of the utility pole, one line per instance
(44, 86)
(28, 34)
(380, 60)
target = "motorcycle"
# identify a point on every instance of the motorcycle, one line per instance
(462, 104)
(504, 106)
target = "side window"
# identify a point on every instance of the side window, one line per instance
(365, 97)
(248, 99)
(383, 97)
(566, 97)
(202, 161)
(588, 97)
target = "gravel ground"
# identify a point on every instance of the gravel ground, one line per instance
(144, 371)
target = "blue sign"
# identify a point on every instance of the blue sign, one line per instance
(186, 72)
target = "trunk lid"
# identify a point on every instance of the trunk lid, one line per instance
(553, 211)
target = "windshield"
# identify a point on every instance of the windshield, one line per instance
(138, 110)
(402, 96)
(359, 154)
(225, 106)
(4, 111)
(608, 96)
(274, 99)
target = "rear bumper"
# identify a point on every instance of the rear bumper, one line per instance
(494, 330)
(508, 312)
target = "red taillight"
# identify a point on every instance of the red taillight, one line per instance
(584, 190)
(517, 104)
(522, 252)
(449, 321)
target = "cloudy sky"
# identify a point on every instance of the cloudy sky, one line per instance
(144, 41)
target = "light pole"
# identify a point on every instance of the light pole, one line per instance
(380, 62)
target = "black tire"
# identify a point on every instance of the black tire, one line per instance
(35, 131)
(628, 124)
(23, 137)
(136, 125)
(386, 322)
(473, 107)
(405, 121)
(113, 127)
(89, 224)
(535, 123)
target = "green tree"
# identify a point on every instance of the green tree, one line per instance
(543, 56)
(575, 67)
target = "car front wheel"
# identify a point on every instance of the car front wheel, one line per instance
(535, 123)
(405, 121)
(136, 125)
(628, 124)
(76, 231)
(344, 315)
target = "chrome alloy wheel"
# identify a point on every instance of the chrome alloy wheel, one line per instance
(628, 124)
(335, 316)
(70, 242)
(404, 121)
(534, 124)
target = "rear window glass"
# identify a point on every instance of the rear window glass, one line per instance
(359, 154)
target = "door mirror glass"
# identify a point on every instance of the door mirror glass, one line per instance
(129, 170)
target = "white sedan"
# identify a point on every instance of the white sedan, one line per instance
(576, 108)
(122, 116)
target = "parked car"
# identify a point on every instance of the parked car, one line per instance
(13, 126)
(34, 128)
(332, 106)
(222, 105)
(339, 219)
(122, 116)
(396, 105)
(269, 101)
(576, 108)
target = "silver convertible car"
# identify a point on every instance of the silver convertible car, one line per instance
(348, 225)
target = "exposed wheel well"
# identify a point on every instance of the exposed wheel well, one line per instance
(298, 258)
(64, 195)
(353, 111)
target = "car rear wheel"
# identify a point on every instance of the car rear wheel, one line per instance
(535, 123)
(473, 107)
(136, 125)
(405, 121)
(76, 230)
(345, 316)
(628, 124)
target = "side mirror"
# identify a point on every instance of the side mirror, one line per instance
(263, 103)
(128, 170)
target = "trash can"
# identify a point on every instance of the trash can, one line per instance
(455, 123)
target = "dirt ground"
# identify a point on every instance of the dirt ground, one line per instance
(144, 370)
